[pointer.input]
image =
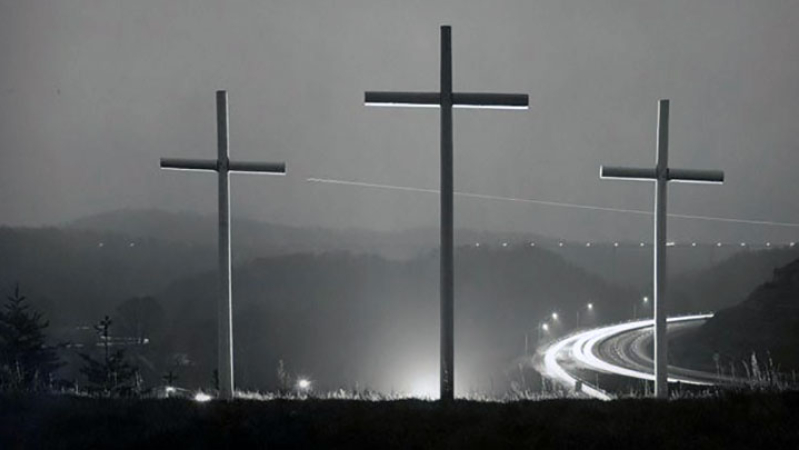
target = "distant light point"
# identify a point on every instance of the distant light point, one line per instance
(304, 384)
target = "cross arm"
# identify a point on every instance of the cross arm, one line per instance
(412, 99)
(257, 167)
(696, 176)
(489, 101)
(627, 173)
(205, 165)
(459, 100)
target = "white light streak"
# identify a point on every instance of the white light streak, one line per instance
(511, 108)
(182, 169)
(404, 105)
(553, 203)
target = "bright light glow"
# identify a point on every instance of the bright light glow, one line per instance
(425, 387)
(545, 327)
(303, 384)
(718, 244)
(477, 244)
(554, 316)
(646, 299)
(590, 306)
(560, 244)
(743, 244)
(202, 397)
(504, 244)
(693, 244)
(169, 389)
(768, 244)
(532, 244)
(615, 244)
(587, 244)
(670, 244)
(642, 244)
(792, 244)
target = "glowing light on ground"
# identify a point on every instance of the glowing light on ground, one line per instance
(425, 387)
(202, 397)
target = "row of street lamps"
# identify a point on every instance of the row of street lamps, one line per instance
(545, 326)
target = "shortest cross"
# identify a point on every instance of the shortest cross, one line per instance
(661, 174)
(223, 166)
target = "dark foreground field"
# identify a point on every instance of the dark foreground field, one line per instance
(764, 421)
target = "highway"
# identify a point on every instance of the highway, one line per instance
(621, 349)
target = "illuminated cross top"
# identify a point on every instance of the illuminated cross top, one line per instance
(224, 166)
(446, 99)
(661, 174)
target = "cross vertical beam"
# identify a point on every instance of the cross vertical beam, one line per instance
(447, 271)
(659, 259)
(225, 306)
(224, 166)
(446, 100)
(661, 175)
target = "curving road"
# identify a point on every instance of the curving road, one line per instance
(622, 349)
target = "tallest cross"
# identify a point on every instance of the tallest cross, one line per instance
(445, 99)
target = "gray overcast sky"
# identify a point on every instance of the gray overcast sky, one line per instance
(93, 92)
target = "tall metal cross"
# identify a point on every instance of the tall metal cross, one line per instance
(661, 175)
(224, 166)
(445, 99)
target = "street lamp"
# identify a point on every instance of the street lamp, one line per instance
(554, 316)
(589, 307)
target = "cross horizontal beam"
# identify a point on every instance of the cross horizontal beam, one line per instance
(212, 165)
(463, 100)
(650, 174)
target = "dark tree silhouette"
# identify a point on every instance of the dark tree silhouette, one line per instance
(113, 375)
(26, 361)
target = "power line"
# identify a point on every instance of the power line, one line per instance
(552, 203)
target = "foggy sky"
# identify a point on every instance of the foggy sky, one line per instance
(93, 93)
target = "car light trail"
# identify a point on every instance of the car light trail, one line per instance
(582, 347)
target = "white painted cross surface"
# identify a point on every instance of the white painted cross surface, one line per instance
(661, 175)
(224, 166)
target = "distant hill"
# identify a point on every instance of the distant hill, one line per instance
(76, 276)
(726, 283)
(628, 264)
(766, 322)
